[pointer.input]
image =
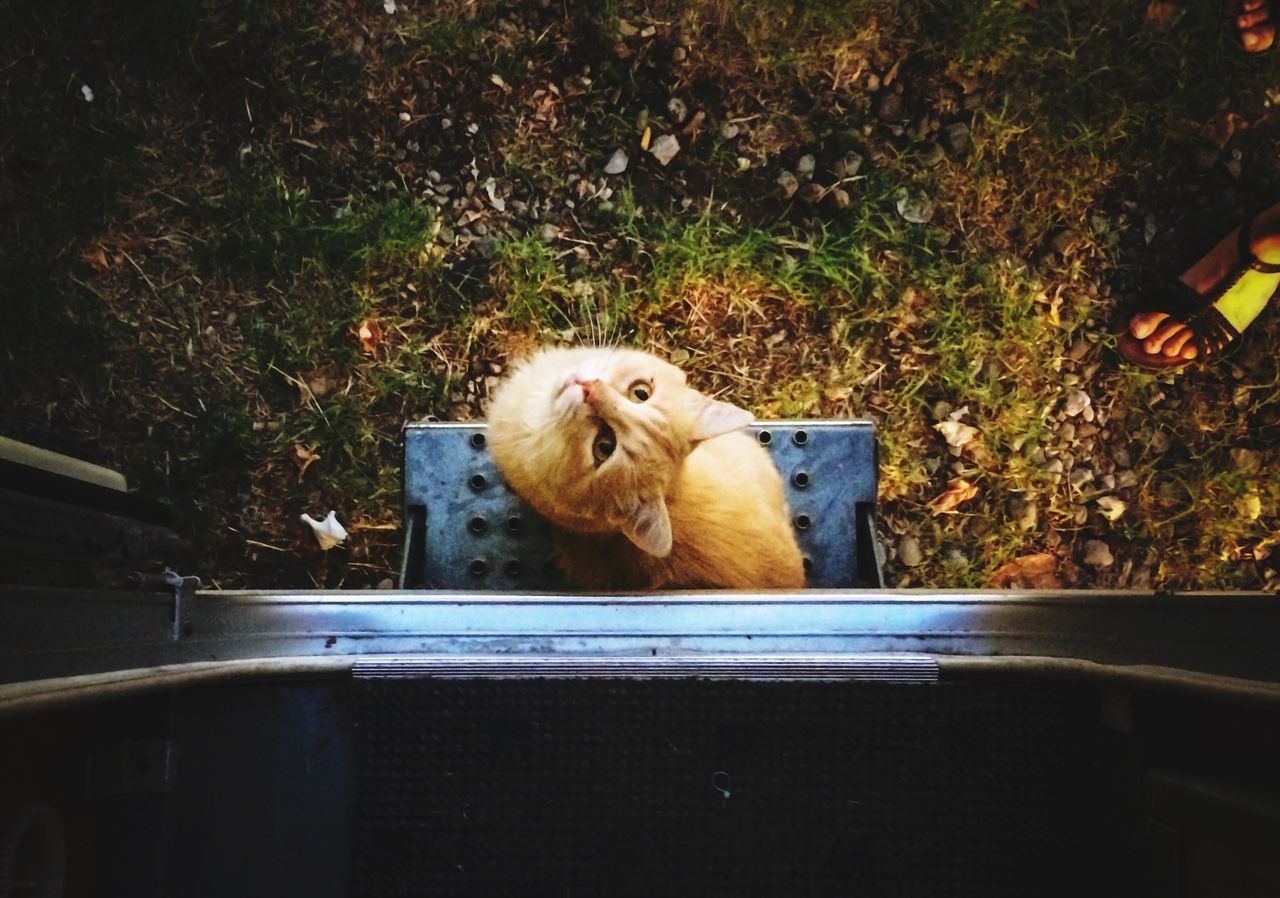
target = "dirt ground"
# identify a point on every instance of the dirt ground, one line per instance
(242, 245)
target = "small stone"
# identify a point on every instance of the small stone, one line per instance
(446, 124)
(919, 128)
(888, 106)
(1067, 432)
(1121, 457)
(678, 109)
(812, 193)
(728, 131)
(805, 166)
(1065, 242)
(930, 154)
(743, 163)
(1079, 349)
(386, 583)
(787, 185)
(680, 356)
(1160, 441)
(433, 176)
(1111, 507)
(957, 138)
(1098, 554)
(664, 149)
(1233, 167)
(916, 208)
(840, 197)
(548, 232)
(873, 83)
(446, 235)
(1086, 430)
(909, 551)
(1079, 477)
(617, 163)
(847, 166)
(1076, 403)
(679, 55)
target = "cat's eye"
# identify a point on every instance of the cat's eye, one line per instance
(604, 445)
(640, 391)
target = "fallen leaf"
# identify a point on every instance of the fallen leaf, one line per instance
(1249, 507)
(1160, 14)
(95, 259)
(957, 493)
(958, 435)
(369, 333)
(303, 458)
(836, 394)
(644, 138)
(1038, 571)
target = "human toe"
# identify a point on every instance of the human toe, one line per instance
(1144, 324)
(1154, 344)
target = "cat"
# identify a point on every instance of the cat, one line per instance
(647, 483)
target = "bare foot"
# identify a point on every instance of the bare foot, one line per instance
(1251, 20)
(1165, 336)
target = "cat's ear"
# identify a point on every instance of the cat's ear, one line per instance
(649, 527)
(713, 417)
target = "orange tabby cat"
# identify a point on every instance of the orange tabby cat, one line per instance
(648, 483)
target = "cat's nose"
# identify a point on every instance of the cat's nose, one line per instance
(592, 391)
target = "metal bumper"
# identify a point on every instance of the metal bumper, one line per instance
(62, 645)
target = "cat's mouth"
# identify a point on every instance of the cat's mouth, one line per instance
(568, 397)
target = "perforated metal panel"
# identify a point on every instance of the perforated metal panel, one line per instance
(466, 529)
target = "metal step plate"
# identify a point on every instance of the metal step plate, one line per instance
(466, 529)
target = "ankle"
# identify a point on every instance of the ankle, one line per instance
(1267, 248)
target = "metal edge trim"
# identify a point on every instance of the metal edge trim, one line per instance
(884, 668)
(38, 695)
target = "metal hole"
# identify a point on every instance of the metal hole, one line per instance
(764, 437)
(477, 525)
(802, 522)
(479, 567)
(514, 568)
(800, 479)
(477, 440)
(808, 564)
(800, 437)
(513, 525)
(478, 482)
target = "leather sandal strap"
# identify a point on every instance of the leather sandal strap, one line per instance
(1212, 331)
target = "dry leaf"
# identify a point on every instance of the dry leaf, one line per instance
(1160, 14)
(836, 394)
(369, 333)
(303, 458)
(95, 259)
(644, 138)
(958, 435)
(958, 492)
(1039, 571)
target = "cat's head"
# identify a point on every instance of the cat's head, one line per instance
(592, 438)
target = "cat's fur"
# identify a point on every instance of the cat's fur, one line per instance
(683, 497)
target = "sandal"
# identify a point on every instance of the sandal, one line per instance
(1215, 318)
(1263, 29)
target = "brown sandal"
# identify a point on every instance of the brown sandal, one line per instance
(1211, 332)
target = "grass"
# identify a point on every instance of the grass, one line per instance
(275, 178)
